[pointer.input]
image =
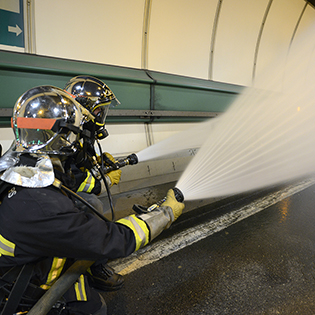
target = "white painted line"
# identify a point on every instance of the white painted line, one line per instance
(165, 247)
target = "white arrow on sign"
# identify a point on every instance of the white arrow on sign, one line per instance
(15, 29)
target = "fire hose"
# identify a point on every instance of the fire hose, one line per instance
(60, 287)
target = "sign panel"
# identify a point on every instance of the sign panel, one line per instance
(12, 23)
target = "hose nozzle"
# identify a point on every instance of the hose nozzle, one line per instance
(131, 159)
(178, 194)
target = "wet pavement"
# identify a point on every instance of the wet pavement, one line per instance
(263, 264)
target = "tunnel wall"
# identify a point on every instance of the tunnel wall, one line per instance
(156, 55)
(170, 63)
(221, 40)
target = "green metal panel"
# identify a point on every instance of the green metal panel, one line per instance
(136, 89)
(15, 83)
(185, 99)
(63, 67)
(178, 93)
(193, 83)
(20, 72)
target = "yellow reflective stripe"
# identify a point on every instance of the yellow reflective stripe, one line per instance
(55, 271)
(88, 184)
(139, 229)
(6, 247)
(79, 288)
(102, 104)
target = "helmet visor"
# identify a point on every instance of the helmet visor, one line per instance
(100, 112)
(46, 141)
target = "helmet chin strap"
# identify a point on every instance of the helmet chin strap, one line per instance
(102, 133)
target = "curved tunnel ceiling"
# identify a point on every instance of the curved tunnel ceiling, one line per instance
(221, 40)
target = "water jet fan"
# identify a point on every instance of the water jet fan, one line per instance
(266, 137)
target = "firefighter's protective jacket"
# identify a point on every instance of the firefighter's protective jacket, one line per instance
(42, 224)
(85, 181)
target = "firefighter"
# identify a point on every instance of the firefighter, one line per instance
(39, 222)
(94, 95)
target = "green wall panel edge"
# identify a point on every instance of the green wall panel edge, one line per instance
(136, 89)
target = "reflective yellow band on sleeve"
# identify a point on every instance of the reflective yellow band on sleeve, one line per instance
(6, 247)
(139, 229)
(79, 287)
(54, 273)
(88, 184)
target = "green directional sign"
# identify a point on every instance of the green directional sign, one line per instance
(12, 23)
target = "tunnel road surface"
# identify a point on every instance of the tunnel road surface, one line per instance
(261, 264)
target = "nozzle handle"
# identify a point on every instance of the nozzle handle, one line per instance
(129, 160)
(141, 209)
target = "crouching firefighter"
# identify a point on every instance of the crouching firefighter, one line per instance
(96, 97)
(39, 222)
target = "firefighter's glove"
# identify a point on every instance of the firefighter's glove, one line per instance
(161, 218)
(177, 207)
(107, 156)
(113, 176)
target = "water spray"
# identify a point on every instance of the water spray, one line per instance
(142, 209)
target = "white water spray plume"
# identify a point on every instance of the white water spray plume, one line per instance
(191, 138)
(266, 137)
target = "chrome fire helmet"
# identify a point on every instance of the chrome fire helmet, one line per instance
(94, 95)
(47, 120)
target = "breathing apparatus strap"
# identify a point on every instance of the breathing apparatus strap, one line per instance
(87, 158)
(101, 170)
(58, 184)
(60, 123)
